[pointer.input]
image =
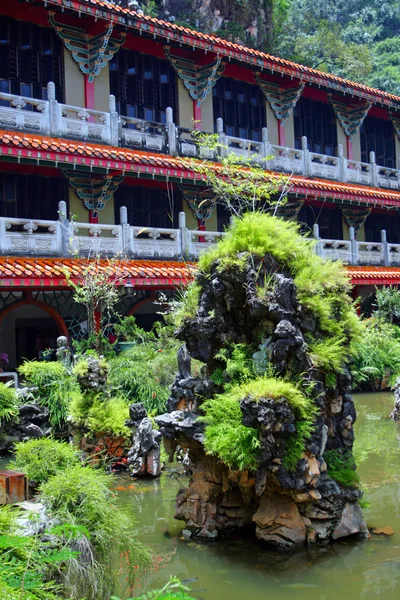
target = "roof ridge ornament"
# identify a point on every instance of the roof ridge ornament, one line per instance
(94, 191)
(197, 79)
(281, 100)
(91, 53)
(351, 116)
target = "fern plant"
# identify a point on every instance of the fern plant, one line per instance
(8, 402)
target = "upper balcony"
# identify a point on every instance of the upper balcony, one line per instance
(65, 238)
(51, 118)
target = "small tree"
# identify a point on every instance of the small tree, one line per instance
(98, 288)
(238, 182)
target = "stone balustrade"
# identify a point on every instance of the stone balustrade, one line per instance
(49, 117)
(35, 237)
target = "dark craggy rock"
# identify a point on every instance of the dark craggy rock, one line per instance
(144, 455)
(286, 508)
(32, 422)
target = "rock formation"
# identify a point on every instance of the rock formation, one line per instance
(286, 508)
(144, 456)
(395, 414)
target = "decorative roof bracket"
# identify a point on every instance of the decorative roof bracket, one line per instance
(355, 217)
(200, 200)
(351, 116)
(290, 209)
(198, 80)
(281, 100)
(94, 191)
(396, 123)
(91, 53)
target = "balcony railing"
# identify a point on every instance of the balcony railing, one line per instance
(35, 237)
(49, 117)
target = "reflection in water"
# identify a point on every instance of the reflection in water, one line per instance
(243, 569)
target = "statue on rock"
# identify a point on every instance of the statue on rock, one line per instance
(144, 456)
(64, 354)
(269, 423)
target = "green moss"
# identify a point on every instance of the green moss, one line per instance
(238, 446)
(342, 468)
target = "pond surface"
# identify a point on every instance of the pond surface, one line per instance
(244, 570)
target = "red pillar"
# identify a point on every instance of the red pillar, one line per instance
(197, 117)
(90, 103)
(97, 318)
(349, 148)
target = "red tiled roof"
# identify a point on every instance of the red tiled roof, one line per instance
(43, 272)
(74, 154)
(173, 32)
(374, 275)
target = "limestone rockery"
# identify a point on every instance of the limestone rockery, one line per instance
(286, 509)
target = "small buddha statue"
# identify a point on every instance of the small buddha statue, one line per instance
(63, 352)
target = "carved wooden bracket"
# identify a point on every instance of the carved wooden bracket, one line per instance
(198, 80)
(200, 200)
(355, 217)
(91, 53)
(281, 100)
(290, 210)
(94, 191)
(396, 123)
(351, 116)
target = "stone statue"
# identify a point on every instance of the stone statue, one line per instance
(64, 355)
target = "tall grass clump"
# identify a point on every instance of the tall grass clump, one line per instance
(236, 445)
(43, 458)
(55, 387)
(79, 497)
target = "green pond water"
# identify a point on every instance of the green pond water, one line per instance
(241, 569)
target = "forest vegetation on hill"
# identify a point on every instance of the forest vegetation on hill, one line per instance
(354, 39)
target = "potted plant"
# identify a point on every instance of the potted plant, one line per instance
(130, 334)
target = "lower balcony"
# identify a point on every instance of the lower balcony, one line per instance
(64, 238)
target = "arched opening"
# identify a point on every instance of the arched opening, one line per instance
(26, 329)
(146, 312)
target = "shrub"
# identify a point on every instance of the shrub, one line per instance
(236, 445)
(129, 331)
(8, 402)
(43, 458)
(54, 384)
(145, 373)
(80, 497)
(100, 414)
(376, 354)
(342, 468)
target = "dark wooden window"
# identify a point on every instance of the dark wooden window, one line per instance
(376, 222)
(315, 120)
(30, 57)
(223, 216)
(378, 135)
(31, 196)
(148, 207)
(329, 221)
(144, 86)
(241, 106)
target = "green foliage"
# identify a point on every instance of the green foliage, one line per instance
(387, 304)
(43, 458)
(99, 414)
(322, 286)
(185, 304)
(54, 384)
(173, 590)
(342, 468)
(8, 402)
(145, 373)
(386, 59)
(80, 497)
(236, 445)
(129, 331)
(329, 354)
(239, 366)
(376, 354)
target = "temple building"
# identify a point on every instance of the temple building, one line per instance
(97, 109)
